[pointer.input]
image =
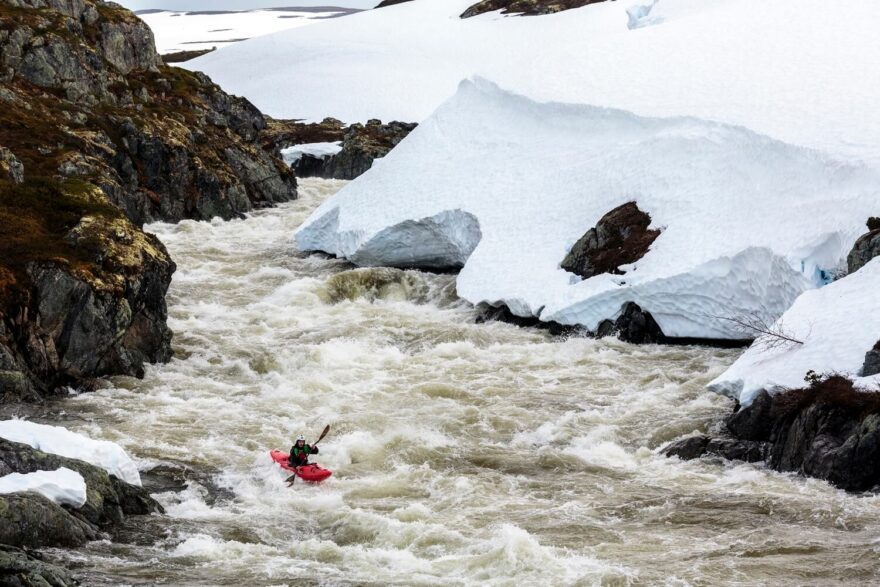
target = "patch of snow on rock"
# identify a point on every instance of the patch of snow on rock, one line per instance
(60, 441)
(837, 324)
(321, 150)
(748, 222)
(63, 486)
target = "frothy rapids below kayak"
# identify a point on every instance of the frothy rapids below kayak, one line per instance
(462, 453)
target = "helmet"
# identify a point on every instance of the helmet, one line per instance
(300, 437)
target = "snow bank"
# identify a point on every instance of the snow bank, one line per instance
(293, 154)
(64, 487)
(63, 442)
(837, 324)
(190, 31)
(507, 185)
(802, 71)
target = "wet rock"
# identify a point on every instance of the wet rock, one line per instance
(872, 361)
(524, 7)
(109, 499)
(634, 325)
(20, 568)
(830, 430)
(866, 247)
(10, 166)
(503, 314)
(734, 449)
(692, 447)
(176, 477)
(621, 237)
(33, 521)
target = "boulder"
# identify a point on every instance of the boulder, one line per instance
(692, 447)
(634, 325)
(109, 499)
(872, 361)
(33, 521)
(621, 237)
(10, 166)
(20, 568)
(866, 247)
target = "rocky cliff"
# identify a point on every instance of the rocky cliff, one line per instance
(97, 137)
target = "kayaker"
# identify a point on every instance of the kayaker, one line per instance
(299, 452)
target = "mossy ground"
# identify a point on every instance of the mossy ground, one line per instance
(35, 217)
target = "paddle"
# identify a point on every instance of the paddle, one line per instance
(323, 434)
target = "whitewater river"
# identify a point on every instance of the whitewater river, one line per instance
(464, 453)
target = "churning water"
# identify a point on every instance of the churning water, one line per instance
(463, 453)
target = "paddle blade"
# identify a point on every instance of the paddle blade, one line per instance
(323, 434)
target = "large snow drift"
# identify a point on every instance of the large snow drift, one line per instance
(63, 486)
(837, 325)
(802, 71)
(60, 441)
(507, 185)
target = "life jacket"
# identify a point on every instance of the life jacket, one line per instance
(300, 455)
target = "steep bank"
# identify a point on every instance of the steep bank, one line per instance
(99, 137)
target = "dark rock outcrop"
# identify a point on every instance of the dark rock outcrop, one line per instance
(83, 290)
(866, 248)
(20, 568)
(99, 136)
(109, 499)
(385, 3)
(633, 325)
(33, 521)
(872, 361)
(619, 238)
(692, 447)
(829, 430)
(361, 145)
(525, 7)
(503, 314)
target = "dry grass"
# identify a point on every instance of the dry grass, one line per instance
(835, 391)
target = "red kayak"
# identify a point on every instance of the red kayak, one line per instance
(313, 473)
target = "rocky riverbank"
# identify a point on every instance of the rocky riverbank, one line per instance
(29, 520)
(100, 137)
(830, 427)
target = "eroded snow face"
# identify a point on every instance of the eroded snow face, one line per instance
(836, 326)
(292, 155)
(60, 441)
(749, 223)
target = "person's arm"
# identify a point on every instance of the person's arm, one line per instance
(314, 450)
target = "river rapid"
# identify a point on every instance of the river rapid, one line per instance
(463, 453)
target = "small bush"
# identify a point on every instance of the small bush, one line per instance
(873, 223)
